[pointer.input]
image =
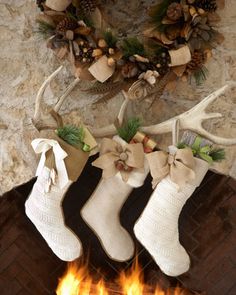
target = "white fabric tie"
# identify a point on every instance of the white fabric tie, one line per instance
(41, 146)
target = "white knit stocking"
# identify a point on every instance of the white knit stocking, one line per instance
(45, 211)
(101, 212)
(157, 228)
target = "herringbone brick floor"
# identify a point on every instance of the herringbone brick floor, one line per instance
(207, 231)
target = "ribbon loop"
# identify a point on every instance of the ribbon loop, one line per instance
(179, 166)
(41, 146)
(116, 158)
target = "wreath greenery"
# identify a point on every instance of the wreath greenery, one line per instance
(176, 44)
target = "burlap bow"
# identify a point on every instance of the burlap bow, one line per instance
(112, 154)
(179, 166)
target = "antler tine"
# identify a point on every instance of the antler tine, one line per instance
(123, 108)
(41, 92)
(111, 129)
(193, 119)
(65, 94)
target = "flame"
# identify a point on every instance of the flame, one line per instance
(78, 281)
(70, 284)
(132, 282)
(101, 289)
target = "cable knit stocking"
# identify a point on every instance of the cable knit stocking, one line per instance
(101, 212)
(44, 205)
(45, 211)
(157, 228)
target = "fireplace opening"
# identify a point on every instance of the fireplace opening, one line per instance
(207, 231)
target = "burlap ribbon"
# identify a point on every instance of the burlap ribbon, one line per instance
(63, 160)
(112, 154)
(178, 165)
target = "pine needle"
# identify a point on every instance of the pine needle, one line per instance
(72, 135)
(132, 46)
(110, 39)
(217, 155)
(158, 11)
(45, 29)
(201, 75)
(128, 130)
(204, 151)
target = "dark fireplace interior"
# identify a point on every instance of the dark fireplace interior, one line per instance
(207, 231)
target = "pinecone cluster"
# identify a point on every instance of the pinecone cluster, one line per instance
(197, 61)
(162, 62)
(207, 5)
(174, 11)
(66, 24)
(85, 54)
(88, 6)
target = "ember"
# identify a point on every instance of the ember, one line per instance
(78, 281)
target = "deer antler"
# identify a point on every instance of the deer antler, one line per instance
(47, 121)
(192, 120)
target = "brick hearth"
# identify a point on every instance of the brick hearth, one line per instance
(207, 230)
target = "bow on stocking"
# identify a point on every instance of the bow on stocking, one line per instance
(116, 158)
(178, 164)
(41, 146)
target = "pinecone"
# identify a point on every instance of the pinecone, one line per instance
(40, 4)
(174, 11)
(85, 54)
(67, 24)
(162, 62)
(197, 61)
(207, 5)
(129, 70)
(88, 6)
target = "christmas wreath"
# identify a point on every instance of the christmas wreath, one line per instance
(176, 43)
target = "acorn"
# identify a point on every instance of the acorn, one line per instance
(111, 62)
(102, 43)
(111, 51)
(97, 52)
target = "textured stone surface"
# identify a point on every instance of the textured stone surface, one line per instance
(25, 62)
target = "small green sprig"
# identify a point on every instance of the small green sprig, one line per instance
(128, 130)
(132, 46)
(73, 136)
(45, 29)
(158, 11)
(206, 152)
(110, 39)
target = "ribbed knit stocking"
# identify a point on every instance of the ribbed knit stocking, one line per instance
(44, 209)
(157, 228)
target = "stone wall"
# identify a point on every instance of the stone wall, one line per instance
(25, 62)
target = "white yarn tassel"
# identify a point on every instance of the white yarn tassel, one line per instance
(157, 227)
(101, 212)
(44, 209)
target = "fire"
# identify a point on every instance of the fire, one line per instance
(70, 284)
(132, 282)
(78, 281)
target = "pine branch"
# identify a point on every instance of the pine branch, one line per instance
(110, 39)
(45, 29)
(217, 155)
(158, 11)
(132, 46)
(128, 130)
(201, 75)
(72, 135)
(203, 150)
